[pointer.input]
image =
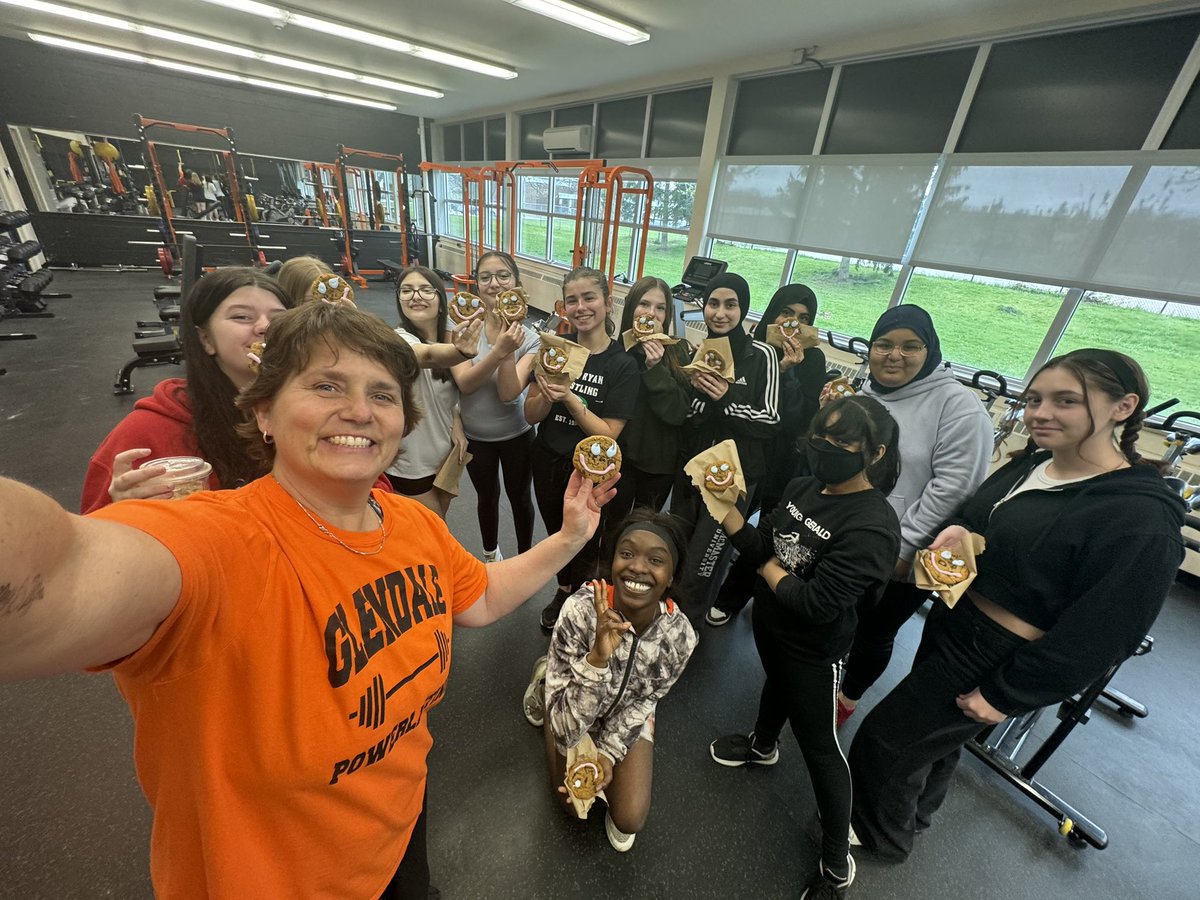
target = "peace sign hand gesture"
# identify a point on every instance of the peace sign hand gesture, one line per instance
(610, 626)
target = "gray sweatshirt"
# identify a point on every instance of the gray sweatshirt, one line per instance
(945, 447)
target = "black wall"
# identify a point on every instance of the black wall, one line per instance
(51, 88)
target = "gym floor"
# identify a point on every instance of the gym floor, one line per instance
(73, 822)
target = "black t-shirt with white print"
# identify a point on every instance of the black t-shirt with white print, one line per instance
(839, 551)
(608, 385)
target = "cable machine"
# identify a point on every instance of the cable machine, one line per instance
(600, 206)
(168, 255)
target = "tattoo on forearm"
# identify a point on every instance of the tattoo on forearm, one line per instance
(14, 600)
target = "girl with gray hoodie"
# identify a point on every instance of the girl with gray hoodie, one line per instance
(945, 445)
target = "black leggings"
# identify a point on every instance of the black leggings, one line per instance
(512, 456)
(635, 489)
(805, 693)
(876, 635)
(411, 881)
(550, 476)
(738, 586)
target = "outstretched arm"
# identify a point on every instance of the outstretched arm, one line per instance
(75, 592)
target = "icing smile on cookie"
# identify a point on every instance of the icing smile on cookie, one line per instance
(597, 461)
(719, 476)
(554, 360)
(645, 325)
(947, 564)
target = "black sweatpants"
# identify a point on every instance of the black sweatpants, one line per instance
(551, 474)
(411, 881)
(876, 635)
(635, 489)
(513, 458)
(805, 694)
(738, 587)
(906, 749)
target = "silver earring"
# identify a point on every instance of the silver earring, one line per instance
(267, 439)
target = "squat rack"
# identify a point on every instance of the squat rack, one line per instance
(170, 252)
(374, 208)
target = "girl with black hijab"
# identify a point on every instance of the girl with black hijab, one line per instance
(945, 446)
(746, 411)
(801, 377)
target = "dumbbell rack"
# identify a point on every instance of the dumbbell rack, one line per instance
(15, 272)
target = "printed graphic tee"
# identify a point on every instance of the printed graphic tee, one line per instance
(281, 708)
(609, 386)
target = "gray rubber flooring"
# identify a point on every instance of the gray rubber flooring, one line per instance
(73, 823)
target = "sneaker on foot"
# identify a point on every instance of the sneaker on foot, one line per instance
(717, 617)
(553, 608)
(854, 840)
(621, 842)
(491, 556)
(844, 712)
(826, 886)
(533, 704)
(739, 749)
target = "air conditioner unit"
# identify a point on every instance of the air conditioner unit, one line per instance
(568, 139)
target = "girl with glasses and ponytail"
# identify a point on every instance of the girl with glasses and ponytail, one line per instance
(1083, 541)
(826, 550)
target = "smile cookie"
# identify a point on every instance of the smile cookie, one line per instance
(713, 359)
(513, 305)
(464, 306)
(945, 566)
(332, 289)
(644, 326)
(841, 387)
(583, 779)
(553, 360)
(790, 327)
(597, 458)
(719, 476)
(254, 356)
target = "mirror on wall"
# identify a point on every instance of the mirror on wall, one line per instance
(82, 173)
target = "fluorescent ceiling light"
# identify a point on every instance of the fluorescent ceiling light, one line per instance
(587, 19)
(368, 38)
(191, 40)
(205, 72)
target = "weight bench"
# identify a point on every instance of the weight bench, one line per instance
(391, 269)
(156, 350)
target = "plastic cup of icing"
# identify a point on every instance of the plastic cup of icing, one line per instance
(185, 475)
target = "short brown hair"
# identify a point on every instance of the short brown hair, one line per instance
(298, 334)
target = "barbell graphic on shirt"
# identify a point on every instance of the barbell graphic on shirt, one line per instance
(372, 705)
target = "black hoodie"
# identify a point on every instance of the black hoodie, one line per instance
(1089, 563)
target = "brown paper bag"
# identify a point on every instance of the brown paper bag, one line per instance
(638, 333)
(809, 336)
(714, 355)
(558, 360)
(971, 547)
(698, 468)
(583, 768)
(450, 474)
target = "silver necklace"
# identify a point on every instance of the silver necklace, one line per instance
(383, 535)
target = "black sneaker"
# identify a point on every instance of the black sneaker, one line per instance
(550, 613)
(825, 886)
(739, 749)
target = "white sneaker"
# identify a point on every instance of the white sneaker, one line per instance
(854, 841)
(533, 704)
(491, 556)
(621, 842)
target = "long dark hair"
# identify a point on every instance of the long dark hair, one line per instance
(864, 421)
(434, 281)
(1094, 373)
(210, 393)
(640, 288)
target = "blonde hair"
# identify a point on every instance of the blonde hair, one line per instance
(296, 276)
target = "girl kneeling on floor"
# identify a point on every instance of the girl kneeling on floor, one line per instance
(615, 652)
(826, 551)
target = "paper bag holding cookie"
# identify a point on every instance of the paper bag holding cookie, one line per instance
(584, 774)
(948, 572)
(646, 328)
(717, 474)
(715, 356)
(808, 336)
(558, 360)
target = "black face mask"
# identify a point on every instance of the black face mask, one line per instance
(830, 464)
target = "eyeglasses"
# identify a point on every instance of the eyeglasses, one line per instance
(885, 348)
(498, 277)
(427, 292)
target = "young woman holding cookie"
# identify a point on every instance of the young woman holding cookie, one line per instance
(492, 407)
(616, 651)
(945, 442)
(746, 411)
(1083, 541)
(650, 442)
(826, 551)
(801, 377)
(599, 402)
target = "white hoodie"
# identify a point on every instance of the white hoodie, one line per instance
(945, 447)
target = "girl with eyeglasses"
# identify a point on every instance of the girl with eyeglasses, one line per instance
(1083, 543)
(945, 442)
(492, 407)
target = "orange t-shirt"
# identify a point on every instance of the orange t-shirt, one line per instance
(280, 709)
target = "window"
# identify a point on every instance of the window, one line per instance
(986, 323)
(495, 134)
(1085, 90)
(531, 128)
(677, 121)
(851, 293)
(778, 115)
(451, 205)
(898, 105)
(472, 142)
(620, 126)
(1162, 336)
(1185, 131)
(762, 267)
(452, 143)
